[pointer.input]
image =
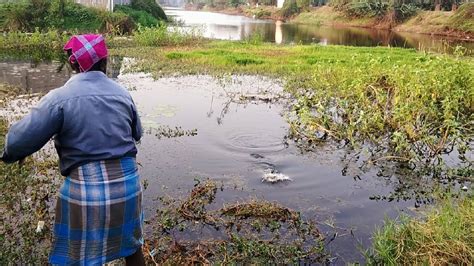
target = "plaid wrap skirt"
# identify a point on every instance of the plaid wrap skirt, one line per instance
(99, 214)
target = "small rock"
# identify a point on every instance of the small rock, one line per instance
(465, 188)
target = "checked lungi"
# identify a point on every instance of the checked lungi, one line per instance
(98, 214)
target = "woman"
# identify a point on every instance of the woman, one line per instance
(95, 126)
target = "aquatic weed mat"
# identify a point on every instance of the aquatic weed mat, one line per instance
(188, 231)
(26, 202)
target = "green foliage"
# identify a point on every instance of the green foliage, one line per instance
(445, 237)
(80, 18)
(399, 9)
(68, 15)
(463, 18)
(14, 16)
(37, 45)
(118, 23)
(149, 6)
(162, 35)
(380, 8)
(290, 8)
(250, 232)
(258, 12)
(303, 4)
(371, 8)
(139, 16)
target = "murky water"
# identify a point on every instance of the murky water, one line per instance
(241, 135)
(227, 27)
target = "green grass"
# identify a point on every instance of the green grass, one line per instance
(444, 237)
(463, 18)
(441, 22)
(139, 16)
(328, 16)
(36, 46)
(161, 35)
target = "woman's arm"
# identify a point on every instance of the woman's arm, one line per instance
(33, 131)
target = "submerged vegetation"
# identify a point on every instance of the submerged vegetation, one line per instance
(27, 192)
(255, 231)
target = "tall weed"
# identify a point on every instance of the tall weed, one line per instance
(162, 35)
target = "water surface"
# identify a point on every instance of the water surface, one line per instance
(237, 142)
(230, 27)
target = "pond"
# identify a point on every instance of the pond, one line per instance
(239, 134)
(230, 27)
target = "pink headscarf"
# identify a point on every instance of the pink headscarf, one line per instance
(86, 50)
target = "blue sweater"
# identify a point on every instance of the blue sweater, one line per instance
(91, 118)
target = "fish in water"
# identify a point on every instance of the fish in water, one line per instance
(274, 176)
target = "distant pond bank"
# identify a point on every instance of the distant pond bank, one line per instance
(235, 27)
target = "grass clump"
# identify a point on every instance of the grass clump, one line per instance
(444, 237)
(463, 18)
(162, 35)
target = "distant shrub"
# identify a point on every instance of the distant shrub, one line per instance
(371, 8)
(463, 18)
(80, 17)
(259, 12)
(14, 17)
(162, 35)
(118, 23)
(149, 6)
(290, 8)
(139, 16)
(36, 45)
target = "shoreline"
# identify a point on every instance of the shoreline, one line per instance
(337, 19)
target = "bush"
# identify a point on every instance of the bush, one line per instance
(463, 18)
(163, 36)
(149, 6)
(118, 23)
(81, 18)
(139, 16)
(371, 8)
(290, 8)
(14, 17)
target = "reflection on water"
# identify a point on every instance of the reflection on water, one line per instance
(43, 77)
(33, 77)
(221, 26)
